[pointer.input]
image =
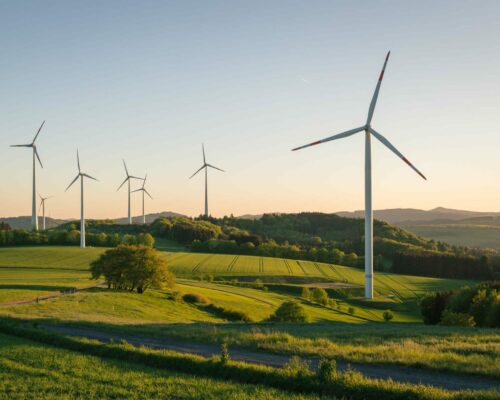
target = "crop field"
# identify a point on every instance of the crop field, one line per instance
(460, 234)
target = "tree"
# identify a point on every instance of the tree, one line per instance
(320, 296)
(306, 293)
(290, 311)
(132, 268)
(388, 315)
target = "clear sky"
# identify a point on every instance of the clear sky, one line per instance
(149, 81)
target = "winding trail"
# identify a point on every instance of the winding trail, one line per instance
(439, 379)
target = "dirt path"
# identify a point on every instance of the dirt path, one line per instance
(49, 296)
(445, 380)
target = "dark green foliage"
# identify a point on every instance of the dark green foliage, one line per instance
(327, 370)
(388, 315)
(230, 315)
(432, 306)
(306, 293)
(296, 367)
(450, 318)
(481, 303)
(132, 268)
(320, 296)
(195, 298)
(290, 311)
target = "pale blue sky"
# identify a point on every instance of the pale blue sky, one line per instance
(150, 81)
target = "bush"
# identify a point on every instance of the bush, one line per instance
(327, 370)
(351, 310)
(231, 315)
(432, 306)
(224, 353)
(195, 298)
(450, 318)
(290, 311)
(296, 367)
(320, 296)
(388, 315)
(306, 293)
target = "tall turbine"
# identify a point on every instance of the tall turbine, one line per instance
(81, 175)
(144, 191)
(34, 217)
(42, 206)
(205, 166)
(369, 131)
(127, 179)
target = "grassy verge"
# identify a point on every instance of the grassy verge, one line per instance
(351, 385)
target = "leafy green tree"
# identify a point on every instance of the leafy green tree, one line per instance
(306, 293)
(388, 315)
(132, 268)
(290, 311)
(320, 296)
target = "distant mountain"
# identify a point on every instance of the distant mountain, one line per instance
(24, 222)
(406, 215)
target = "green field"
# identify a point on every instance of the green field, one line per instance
(460, 234)
(360, 336)
(34, 371)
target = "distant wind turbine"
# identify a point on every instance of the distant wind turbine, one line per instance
(81, 175)
(127, 179)
(369, 131)
(34, 217)
(42, 206)
(205, 166)
(144, 191)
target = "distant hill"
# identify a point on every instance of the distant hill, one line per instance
(149, 217)
(24, 222)
(407, 215)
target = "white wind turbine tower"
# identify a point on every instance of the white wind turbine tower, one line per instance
(34, 217)
(369, 131)
(144, 191)
(205, 166)
(42, 206)
(81, 175)
(127, 179)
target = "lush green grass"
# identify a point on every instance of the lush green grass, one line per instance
(33, 371)
(28, 272)
(460, 234)
(462, 350)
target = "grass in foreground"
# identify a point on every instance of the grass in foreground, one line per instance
(29, 370)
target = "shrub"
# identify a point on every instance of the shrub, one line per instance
(290, 311)
(327, 370)
(351, 310)
(306, 293)
(332, 303)
(450, 318)
(195, 298)
(231, 315)
(296, 367)
(432, 306)
(224, 353)
(388, 315)
(320, 296)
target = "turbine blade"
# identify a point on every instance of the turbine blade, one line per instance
(145, 191)
(41, 202)
(37, 156)
(125, 165)
(214, 167)
(38, 132)
(73, 181)
(137, 190)
(203, 166)
(21, 145)
(123, 183)
(334, 137)
(144, 181)
(91, 177)
(388, 144)
(135, 177)
(203, 149)
(78, 160)
(377, 88)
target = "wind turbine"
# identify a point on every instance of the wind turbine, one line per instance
(42, 206)
(81, 175)
(369, 131)
(34, 217)
(127, 179)
(205, 166)
(144, 191)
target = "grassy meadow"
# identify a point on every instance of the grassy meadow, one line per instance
(352, 330)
